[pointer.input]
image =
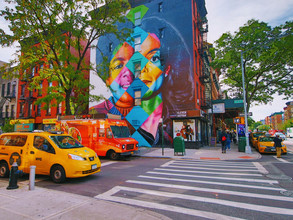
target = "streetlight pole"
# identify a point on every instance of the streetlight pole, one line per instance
(247, 147)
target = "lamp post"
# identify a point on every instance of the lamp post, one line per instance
(247, 147)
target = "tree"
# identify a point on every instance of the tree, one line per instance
(267, 58)
(60, 33)
(264, 128)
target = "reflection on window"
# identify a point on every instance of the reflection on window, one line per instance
(137, 18)
(137, 43)
(137, 97)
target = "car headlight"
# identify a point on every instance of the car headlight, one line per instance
(262, 146)
(123, 146)
(75, 157)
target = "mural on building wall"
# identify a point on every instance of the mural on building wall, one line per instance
(147, 81)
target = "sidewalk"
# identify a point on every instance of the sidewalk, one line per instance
(204, 153)
(41, 203)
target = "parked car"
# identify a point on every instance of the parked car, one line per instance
(57, 155)
(253, 138)
(266, 144)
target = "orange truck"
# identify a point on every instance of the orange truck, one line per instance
(107, 137)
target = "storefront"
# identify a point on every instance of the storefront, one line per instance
(49, 124)
(192, 126)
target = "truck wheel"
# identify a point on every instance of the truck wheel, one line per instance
(58, 174)
(4, 170)
(113, 155)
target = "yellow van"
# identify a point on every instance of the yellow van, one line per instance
(57, 155)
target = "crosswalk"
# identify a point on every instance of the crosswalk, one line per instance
(206, 189)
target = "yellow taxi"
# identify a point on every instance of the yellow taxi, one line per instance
(253, 138)
(265, 144)
(57, 155)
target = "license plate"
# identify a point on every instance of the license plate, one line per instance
(94, 166)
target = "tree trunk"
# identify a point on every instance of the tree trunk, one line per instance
(67, 102)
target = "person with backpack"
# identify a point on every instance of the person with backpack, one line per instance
(223, 139)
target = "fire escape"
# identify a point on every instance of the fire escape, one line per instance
(205, 77)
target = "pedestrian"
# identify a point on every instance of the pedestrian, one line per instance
(228, 141)
(223, 139)
(234, 137)
(278, 145)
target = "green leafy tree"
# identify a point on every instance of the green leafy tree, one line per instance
(264, 128)
(7, 127)
(287, 124)
(59, 34)
(267, 58)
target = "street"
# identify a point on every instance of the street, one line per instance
(188, 189)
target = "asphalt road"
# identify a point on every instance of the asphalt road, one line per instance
(191, 189)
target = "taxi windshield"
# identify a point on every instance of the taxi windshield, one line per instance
(120, 131)
(266, 139)
(66, 142)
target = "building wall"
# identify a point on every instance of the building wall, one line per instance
(162, 66)
(288, 111)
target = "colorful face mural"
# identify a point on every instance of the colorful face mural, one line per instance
(136, 78)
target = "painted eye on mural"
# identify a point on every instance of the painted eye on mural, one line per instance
(155, 58)
(119, 66)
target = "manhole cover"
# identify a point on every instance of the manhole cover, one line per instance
(279, 177)
(287, 193)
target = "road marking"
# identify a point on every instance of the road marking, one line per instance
(168, 163)
(108, 163)
(220, 178)
(213, 183)
(213, 165)
(254, 207)
(282, 160)
(108, 196)
(262, 196)
(213, 168)
(217, 173)
(260, 168)
(177, 162)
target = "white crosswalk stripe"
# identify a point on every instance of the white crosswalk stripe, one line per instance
(208, 189)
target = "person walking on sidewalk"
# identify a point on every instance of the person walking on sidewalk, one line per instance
(223, 139)
(228, 141)
(278, 145)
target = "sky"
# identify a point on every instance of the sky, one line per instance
(226, 16)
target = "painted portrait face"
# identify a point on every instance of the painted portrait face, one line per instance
(152, 73)
(120, 76)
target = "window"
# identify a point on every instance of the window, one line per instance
(137, 18)
(33, 72)
(39, 110)
(137, 43)
(160, 8)
(8, 89)
(3, 90)
(137, 97)
(49, 109)
(161, 33)
(40, 89)
(22, 90)
(30, 109)
(42, 144)
(12, 113)
(137, 69)
(13, 89)
(7, 111)
(110, 47)
(21, 106)
(102, 132)
(59, 108)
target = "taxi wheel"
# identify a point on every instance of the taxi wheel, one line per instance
(4, 170)
(113, 155)
(58, 174)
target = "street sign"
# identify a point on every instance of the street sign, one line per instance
(242, 114)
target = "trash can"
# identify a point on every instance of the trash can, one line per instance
(241, 144)
(179, 145)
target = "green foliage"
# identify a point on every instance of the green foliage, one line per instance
(267, 58)
(264, 128)
(7, 127)
(287, 124)
(59, 35)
